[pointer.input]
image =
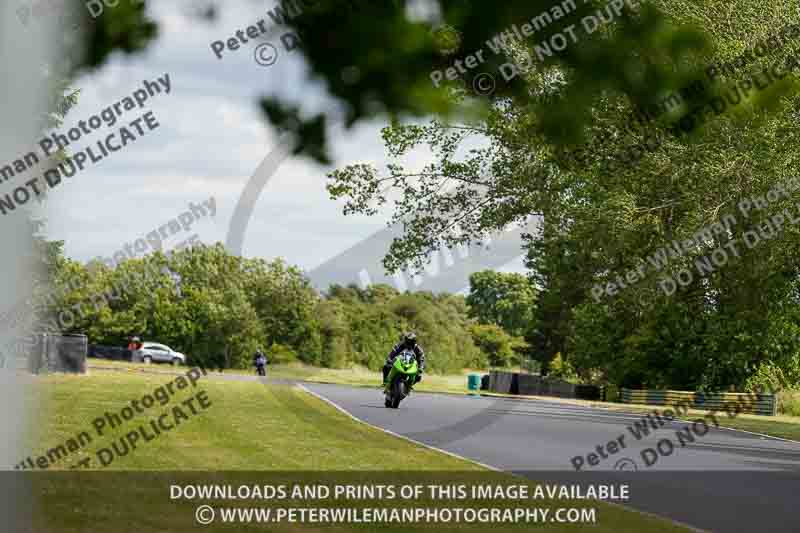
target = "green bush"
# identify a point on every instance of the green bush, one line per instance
(281, 354)
(362, 326)
(495, 344)
(789, 402)
(612, 393)
(771, 377)
(561, 368)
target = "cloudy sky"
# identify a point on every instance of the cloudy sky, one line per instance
(210, 141)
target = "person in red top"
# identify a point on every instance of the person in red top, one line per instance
(135, 344)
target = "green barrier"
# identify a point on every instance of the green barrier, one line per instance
(752, 403)
(474, 383)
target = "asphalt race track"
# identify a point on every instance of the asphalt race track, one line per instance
(726, 481)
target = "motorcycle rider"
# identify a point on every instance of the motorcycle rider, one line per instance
(407, 342)
(260, 360)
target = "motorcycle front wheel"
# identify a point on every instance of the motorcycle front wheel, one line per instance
(398, 393)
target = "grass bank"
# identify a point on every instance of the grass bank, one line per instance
(247, 426)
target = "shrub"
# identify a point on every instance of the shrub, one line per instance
(281, 354)
(495, 343)
(789, 402)
(561, 368)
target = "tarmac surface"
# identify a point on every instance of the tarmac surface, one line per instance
(709, 478)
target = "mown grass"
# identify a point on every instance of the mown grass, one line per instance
(248, 426)
(283, 433)
(356, 376)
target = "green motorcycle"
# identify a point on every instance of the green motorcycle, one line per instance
(401, 379)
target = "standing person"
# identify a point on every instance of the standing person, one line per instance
(134, 345)
(407, 342)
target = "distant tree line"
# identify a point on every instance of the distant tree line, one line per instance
(224, 307)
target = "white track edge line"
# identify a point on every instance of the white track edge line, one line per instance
(770, 437)
(393, 434)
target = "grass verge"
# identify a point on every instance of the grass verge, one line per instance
(356, 376)
(248, 426)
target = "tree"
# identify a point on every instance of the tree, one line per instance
(46, 257)
(603, 218)
(286, 304)
(504, 299)
(334, 331)
(229, 306)
(493, 341)
(561, 269)
(379, 56)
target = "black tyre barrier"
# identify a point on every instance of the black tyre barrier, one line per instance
(588, 392)
(112, 353)
(59, 353)
(533, 385)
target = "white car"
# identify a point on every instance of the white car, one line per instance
(152, 352)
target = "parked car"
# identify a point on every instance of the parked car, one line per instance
(152, 352)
